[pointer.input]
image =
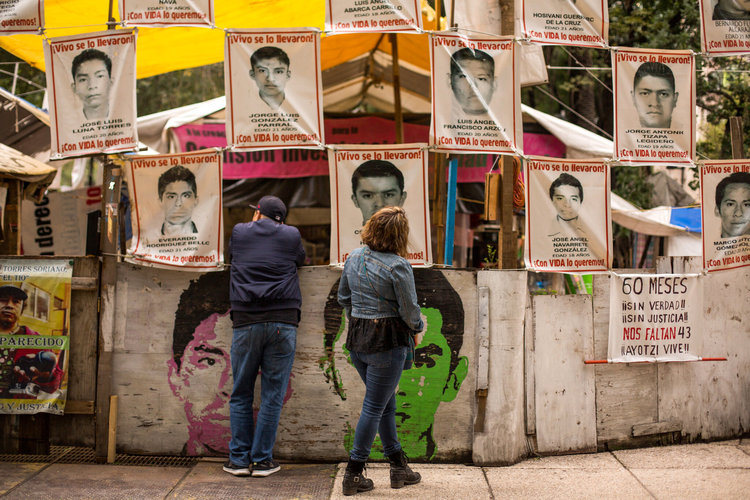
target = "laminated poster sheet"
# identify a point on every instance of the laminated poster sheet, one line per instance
(725, 27)
(21, 16)
(583, 23)
(373, 16)
(165, 13)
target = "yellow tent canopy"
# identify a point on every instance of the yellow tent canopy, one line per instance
(161, 50)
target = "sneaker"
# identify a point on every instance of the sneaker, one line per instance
(265, 468)
(236, 470)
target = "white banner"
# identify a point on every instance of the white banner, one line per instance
(21, 16)
(725, 202)
(176, 211)
(654, 92)
(476, 104)
(57, 225)
(725, 27)
(568, 221)
(583, 23)
(483, 16)
(365, 179)
(373, 16)
(163, 13)
(91, 87)
(273, 88)
(655, 317)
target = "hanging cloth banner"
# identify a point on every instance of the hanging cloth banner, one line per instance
(725, 202)
(654, 93)
(373, 16)
(583, 23)
(482, 16)
(91, 87)
(273, 88)
(365, 179)
(725, 27)
(21, 16)
(479, 77)
(655, 317)
(34, 335)
(176, 211)
(568, 220)
(165, 13)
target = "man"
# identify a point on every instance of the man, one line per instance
(436, 375)
(377, 184)
(732, 10)
(178, 195)
(21, 367)
(654, 95)
(566, 193)
(92, 80)
(270, 71)
(472, 80)
(265, 297)
(733, 204)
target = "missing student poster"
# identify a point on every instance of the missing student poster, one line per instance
(725, 27)
(273, 88)
(176, 211)
(381, 16)
(725, 202)
(365, 179)
(583, 23)
(568, 221)
(476, 104)
(655, 317)
(165, 13)
(91, 87)
(21, 16)
(654, 92)
(34, 335)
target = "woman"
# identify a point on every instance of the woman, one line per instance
(377, 291)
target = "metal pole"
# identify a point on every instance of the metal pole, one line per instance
(450, 211)
(398, 113)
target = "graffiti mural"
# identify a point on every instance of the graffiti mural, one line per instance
(437, 373)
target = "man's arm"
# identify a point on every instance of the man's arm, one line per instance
(300, 253)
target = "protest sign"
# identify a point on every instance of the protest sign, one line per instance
(373, 16)
(725, 203)
(365, 179)
(725, 27)
(655, 317)
(57, 224)
(481, 16)
(164, 13)
(91, 87)
(273, 88)
(21, 16)
(176, 211)
(479, 77)
(34, 335)
(654, 93)
(568, 221)
(583, 23)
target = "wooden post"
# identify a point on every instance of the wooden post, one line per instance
(438, 205)
(397, 112)
(109, 232)
(508, 239)
(736, 136)
(112, 434)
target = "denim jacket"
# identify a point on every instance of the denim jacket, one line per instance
(379, 285)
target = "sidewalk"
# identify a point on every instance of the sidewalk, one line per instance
(713, 470)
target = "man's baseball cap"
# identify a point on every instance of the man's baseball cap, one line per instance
(12, 291)
(271, 207)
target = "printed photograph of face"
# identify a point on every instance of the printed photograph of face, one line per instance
(566, 193)
(200, 370)
(654, 95)
(270, 72)
(472, 80)
(436, 376)
(92, 82)
(377, 184)
(733, 204)
(731, 10)
(178, 197)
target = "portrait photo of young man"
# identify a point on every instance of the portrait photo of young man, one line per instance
(270, 72)
(566, 194)
(178, 196)
(731, 10)
(733, 204)
(654, 95)
(92, 82)
(472, 80)
(377, 184)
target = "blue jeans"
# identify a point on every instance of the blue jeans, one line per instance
(380, 372)
(268, 347)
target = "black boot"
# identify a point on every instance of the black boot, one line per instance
(354, 480)
(401, 474)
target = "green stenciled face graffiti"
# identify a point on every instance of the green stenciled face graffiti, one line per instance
(436, 376)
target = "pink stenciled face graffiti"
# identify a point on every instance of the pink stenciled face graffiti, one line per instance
(203, 383)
